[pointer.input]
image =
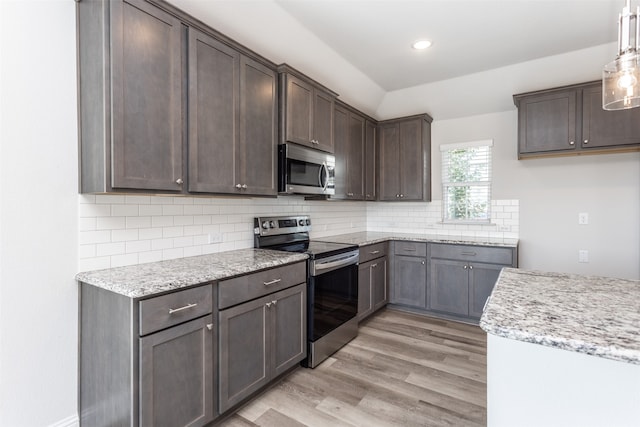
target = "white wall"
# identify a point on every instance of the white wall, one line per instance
(38, 214)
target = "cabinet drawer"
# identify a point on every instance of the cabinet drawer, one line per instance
(245, 288)
(171, 309)
(410, 248)
(493, 255)
(370, 252)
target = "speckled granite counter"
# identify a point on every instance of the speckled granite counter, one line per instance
(370, 237)
(142, 280)
(598, 316)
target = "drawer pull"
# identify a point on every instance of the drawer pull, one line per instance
(272, 282)
(175, 310)
(374, 252)
(210, 326)
(374, 265)
(409, 250)
(468, 253)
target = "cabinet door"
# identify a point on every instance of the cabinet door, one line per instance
(147, 75)
(547, 122)
(341, 139)
(449, 286)
(213, 114)
(482, 278)
(411, 160)
(289, 323)
(177, 376)
(299, 111)
(323, 105)
(365, 303)
(355, 158)
(379, 289)
(370, 161)
(257, 145)
(389, 175)
(410, 281)
(601, 128)
(244, 337)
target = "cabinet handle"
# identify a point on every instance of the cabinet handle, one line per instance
(210, 326)
(465, 267)
(350, 194)
(402, 196)
(244, 186)
(179, 181)
(175, 310)
(397, 196)
(374, 265)
(274, 302)
(368, 195)
(272, 282)
(468, 253)
(268, 305)
(409, 250)
(238, 186)
(470, 267)
(423, 262)
(571, 142)
(374, 252)
(586, 141)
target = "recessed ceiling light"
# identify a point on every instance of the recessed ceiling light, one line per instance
(421, 44)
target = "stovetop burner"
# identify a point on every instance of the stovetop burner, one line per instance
(291, 233)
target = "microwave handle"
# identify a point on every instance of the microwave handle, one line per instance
(323, 183)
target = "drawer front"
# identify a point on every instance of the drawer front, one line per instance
(410, 248)
(488, 254)
(171, 309)
(374, 251)
(245, 288)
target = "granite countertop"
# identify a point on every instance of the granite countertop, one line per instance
(370, 237)
(599, 316)
(143, 280)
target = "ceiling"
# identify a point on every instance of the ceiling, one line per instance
(468, 36)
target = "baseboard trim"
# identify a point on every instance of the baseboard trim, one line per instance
(70, 421)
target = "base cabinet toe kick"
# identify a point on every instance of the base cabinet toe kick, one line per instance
(188, 357)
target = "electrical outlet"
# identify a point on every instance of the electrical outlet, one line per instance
(583, 255)
(215, 238)
(504, 228)
(583, 218)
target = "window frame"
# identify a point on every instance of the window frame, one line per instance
(448, 183)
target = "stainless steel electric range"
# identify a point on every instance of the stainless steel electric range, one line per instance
(332, 280)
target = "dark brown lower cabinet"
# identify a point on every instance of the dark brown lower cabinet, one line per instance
(372, 286)
(259, 340)
(177, 375)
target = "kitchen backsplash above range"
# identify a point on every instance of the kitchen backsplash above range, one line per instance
(118, 230)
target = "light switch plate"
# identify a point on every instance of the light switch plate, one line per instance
(583, 255)
(583, 218)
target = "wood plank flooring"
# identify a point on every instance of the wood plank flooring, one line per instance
(401, 370)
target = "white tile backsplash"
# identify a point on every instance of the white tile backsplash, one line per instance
(118, 230)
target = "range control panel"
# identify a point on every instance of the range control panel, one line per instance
(273, 225)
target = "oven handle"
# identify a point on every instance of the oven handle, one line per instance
(319, 267)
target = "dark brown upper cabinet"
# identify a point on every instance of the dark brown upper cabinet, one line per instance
(404, 172)
(570, 120)
(141, 64)
(370, 161)
(130, 104)
(306, 111)
(232, 120)
(349, 139)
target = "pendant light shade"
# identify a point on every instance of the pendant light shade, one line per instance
(621, 77)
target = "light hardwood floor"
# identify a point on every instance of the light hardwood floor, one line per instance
(401, 370)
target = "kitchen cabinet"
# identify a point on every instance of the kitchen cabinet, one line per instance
(404, 172)
(168, 105)
(570, 120)
(370, 161)
(263, 337)
(409, 277)
(373, 291)
(461, 277)
(147, 362)
(306, 111)
(349, 139)
(232, 120)
(130, 104)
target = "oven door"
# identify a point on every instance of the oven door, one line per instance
(333, 300)
(305, 171)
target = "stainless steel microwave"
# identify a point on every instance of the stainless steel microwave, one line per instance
(304, 170)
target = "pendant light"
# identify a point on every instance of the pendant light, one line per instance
(621, 78)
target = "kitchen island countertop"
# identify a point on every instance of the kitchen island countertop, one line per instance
(142, 280)
(370, 237)
(598, 316)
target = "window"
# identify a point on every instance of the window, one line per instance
(466, 182)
